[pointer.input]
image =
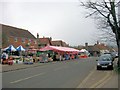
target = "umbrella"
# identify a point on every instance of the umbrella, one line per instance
(10, 48)
(20, 48)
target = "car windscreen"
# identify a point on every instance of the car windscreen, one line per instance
(104, 58)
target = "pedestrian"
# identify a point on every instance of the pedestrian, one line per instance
(60, 57)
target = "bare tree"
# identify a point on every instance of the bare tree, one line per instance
(105, 11)
(105, 33)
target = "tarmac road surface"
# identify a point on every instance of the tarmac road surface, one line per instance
(79, 73)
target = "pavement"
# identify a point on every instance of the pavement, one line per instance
(101, 79)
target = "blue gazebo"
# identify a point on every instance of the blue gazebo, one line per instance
(10, 48)
(20, 48)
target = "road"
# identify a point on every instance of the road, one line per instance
(65, 74)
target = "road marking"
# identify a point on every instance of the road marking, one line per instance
(89, 75)
(96, 84)
(101, 81)
(60, 68)
(27, 78)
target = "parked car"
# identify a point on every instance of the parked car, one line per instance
(115, 54)
(109, 55)
(105, 62)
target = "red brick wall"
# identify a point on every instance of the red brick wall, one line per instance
(11, 41)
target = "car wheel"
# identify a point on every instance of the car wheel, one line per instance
(98, 68)
(112, 68)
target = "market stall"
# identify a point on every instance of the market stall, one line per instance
(83, 53)
(61, 53)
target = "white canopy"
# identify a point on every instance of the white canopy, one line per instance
(10, 48)
(20, 48)
(83, 50)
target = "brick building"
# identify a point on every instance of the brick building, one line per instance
(42, 42)
(16, 36)
(59, 43)
(97, 49)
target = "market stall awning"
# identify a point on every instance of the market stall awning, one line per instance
(60, 49)
(10, 48)
(83, 50)
(20, 48)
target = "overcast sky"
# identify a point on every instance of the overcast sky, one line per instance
(60, 19)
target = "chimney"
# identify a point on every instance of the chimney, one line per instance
(50, 38)
(37, 35)
(86, 44)
(97, 42)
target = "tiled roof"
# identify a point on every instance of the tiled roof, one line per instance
(97, 47)
(16, 32)
(57, 43)
(102, 47)
(45, 41)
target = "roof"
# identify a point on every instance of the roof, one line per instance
(97, 47)
(92, 48)
(45, 41)
(16, 32)
(57, 43)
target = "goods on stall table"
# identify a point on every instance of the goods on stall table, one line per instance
(18, 59)
(10, 62)
(50, 59)
(28, 60)
(4, 61)
(44, 58)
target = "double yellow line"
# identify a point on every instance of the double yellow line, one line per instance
(97, 84)
(100, 83)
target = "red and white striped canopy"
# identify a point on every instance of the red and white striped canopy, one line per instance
(60, 49)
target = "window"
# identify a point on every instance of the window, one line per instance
(29, 40)
(23, 40)
(35, 41)
(15, 39)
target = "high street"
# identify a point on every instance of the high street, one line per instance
(80, 73)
